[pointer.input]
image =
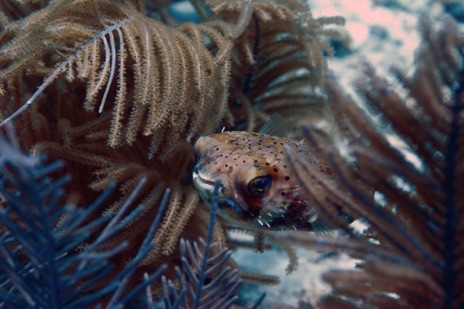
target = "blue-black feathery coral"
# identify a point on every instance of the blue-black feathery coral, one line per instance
(204, 280)
(48, 258)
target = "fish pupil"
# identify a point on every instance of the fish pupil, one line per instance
(258, 185)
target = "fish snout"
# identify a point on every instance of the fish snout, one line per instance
(199, 170)
(205, 182)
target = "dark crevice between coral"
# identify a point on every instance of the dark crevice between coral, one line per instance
(249, 76)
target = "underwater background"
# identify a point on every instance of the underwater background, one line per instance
(97, 201)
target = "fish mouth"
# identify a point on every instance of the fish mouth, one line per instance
(204, 186)
(203, 182)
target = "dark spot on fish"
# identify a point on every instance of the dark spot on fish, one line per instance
(227, 165)
(275, 170)
(285, 166)
(244, 161)
(283, 193)
(226, 156)
(235, 159)
(287, 178)
(215, 163)
(256, 160)
(268, 146)
(217, 148)
(267, 163)
(275, 143)
(282, 144)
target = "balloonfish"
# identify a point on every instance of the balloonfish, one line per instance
(257, 188)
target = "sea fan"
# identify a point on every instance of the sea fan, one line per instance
(50, 256)
(204, 279)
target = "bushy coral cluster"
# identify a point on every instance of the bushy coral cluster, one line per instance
(120, 90)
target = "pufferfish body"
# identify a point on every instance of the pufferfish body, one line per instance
(257, 187)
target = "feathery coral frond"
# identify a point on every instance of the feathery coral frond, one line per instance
(277, 61)
(411, 250)
(130, 35)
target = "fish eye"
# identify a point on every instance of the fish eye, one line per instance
(258, 185)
